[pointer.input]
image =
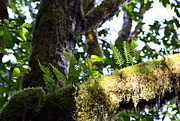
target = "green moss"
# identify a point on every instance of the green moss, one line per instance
(23, 105)
(58, 106)
(144, 81)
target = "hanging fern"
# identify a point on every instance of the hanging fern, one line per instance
(117, 55)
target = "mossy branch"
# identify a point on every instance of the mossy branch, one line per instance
(137, 86)
(134, 87)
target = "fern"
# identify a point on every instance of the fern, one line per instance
(135, 53)
(74, 69)
(60, 76)
(127, 53)
(71, 58)
(117, 56)
(48, 78)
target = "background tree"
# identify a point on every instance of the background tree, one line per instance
(60, 30)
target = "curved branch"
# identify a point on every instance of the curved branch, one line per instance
(101, 13)
(124, 32)
(138, 27)
(144, 84)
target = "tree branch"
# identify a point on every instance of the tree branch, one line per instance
(144, 84)
(134, 87)
(101, 13)
(124, 32)
(138, 27)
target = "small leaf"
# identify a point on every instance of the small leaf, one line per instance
(96, 58)
(22, 33)
(6, 21)
(27, 25)
(16, 72)
(27, 67)
(12, 23)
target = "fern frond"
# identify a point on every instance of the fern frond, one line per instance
(50, 83)
(117, 55)
(59, 75)
(135, 53)
(44, 69)
(74, 69)
(48, 78)
(71, 58)
(127, 53)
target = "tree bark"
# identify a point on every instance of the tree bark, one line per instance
(4, 15)
(58, 25)
(56, 30)
(92, 44)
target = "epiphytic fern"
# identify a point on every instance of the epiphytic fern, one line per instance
(127, 54)
(60, 76)
(117, 55)
(48, 78)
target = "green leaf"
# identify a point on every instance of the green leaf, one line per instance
(1, 33)
(6, 21)
(26, 67)
(96, 58)
(12, 23)
(16, 72)
(22, 33)
(27, 25)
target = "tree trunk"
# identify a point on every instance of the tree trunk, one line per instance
(57, 27)
(4, 15)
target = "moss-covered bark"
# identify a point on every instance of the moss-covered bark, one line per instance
(32, 104)
(144, 84)
(137, 86)
(23, 105)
